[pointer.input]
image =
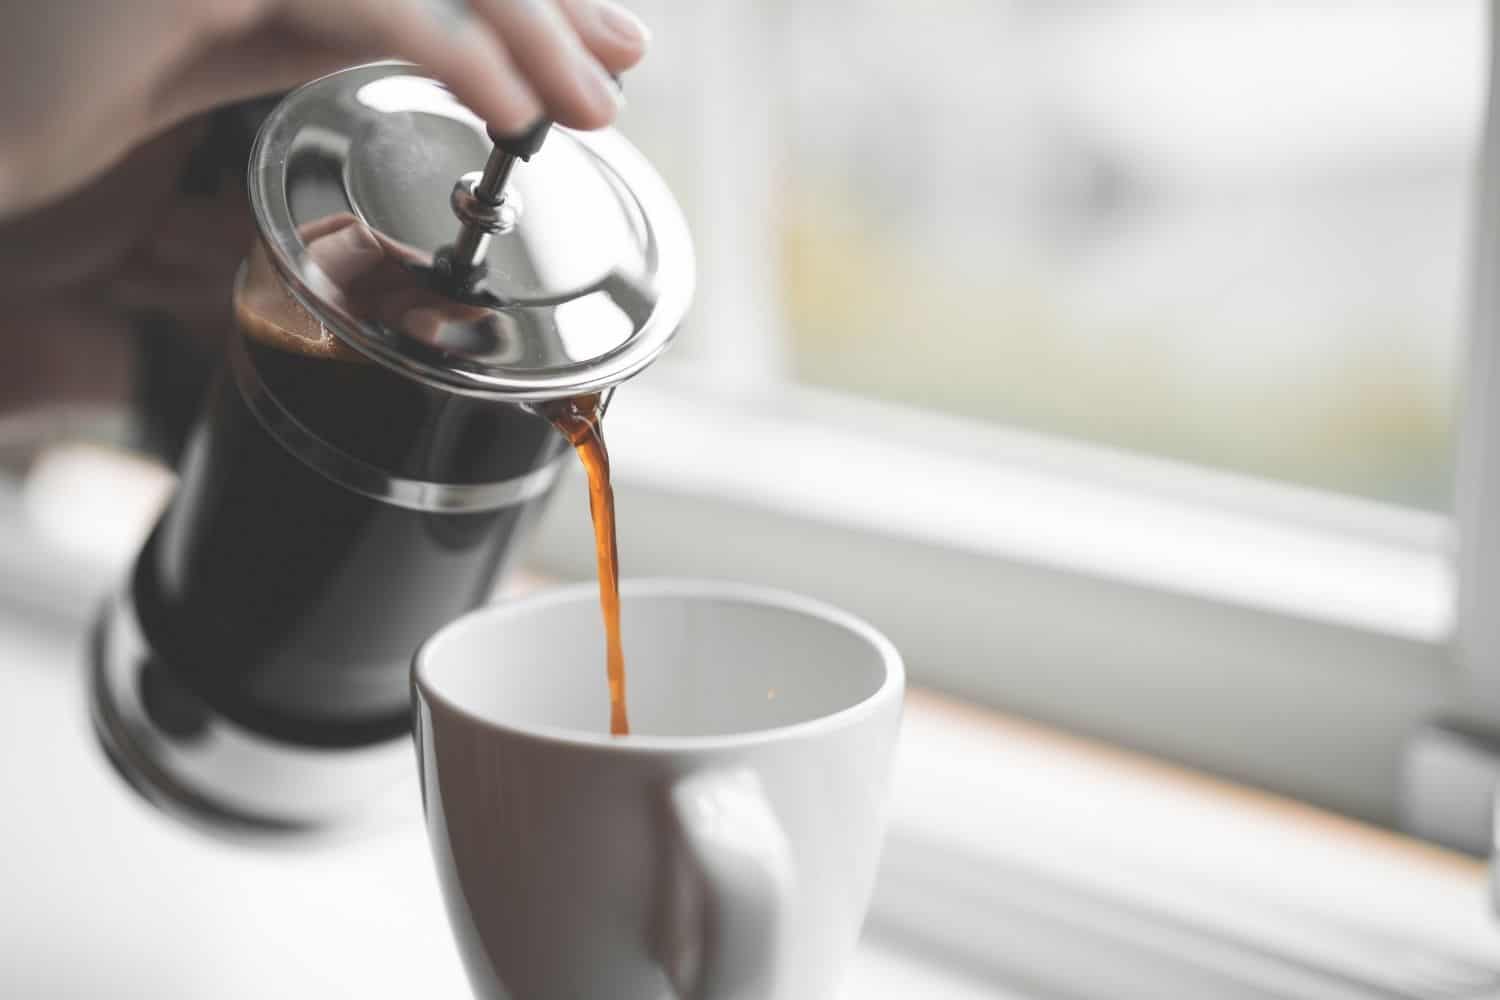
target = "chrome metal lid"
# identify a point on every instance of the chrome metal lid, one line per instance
(583, 284)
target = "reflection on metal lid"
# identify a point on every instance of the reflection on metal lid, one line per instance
(351, 179)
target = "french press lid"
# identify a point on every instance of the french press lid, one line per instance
(411, 233)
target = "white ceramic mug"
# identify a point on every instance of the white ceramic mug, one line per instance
(725, 849)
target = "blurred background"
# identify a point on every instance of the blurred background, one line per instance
(1228, 233)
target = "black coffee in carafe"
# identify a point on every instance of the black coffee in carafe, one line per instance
(291, 570)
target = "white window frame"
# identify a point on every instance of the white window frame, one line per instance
(1477, 631)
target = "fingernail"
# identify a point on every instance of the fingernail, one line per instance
(524, 109)
(623, 25)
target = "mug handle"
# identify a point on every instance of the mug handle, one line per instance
(739, 864)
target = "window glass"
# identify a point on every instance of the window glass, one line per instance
(1227, 233)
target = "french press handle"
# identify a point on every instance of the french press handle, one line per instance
(525, 145)
(479, 202)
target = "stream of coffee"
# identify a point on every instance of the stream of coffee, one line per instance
(580, 419)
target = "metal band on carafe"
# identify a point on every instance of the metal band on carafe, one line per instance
(359, 476)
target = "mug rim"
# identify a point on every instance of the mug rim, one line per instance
(891, 685)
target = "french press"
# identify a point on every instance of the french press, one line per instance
(371, 456)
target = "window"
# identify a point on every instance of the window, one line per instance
(1232, 235)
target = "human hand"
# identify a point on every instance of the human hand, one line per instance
(97, 235)
(82, 276)
(88, 80)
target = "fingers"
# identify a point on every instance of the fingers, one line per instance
(615, 36)
(441, 35)
(512, 61)
(546, 47)
(346, 252)
(516, 106)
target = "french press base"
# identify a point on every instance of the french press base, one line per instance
(208, 771)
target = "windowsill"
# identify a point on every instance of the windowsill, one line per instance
(1027, 498)
(1056, 844)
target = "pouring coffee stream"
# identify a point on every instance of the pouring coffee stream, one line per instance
(479, 202)
(581, 420)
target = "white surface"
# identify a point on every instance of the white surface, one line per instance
(64, 502)
(100, 896)
(882, 971)
(104, 897)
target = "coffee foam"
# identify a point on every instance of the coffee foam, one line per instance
(268, 314)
